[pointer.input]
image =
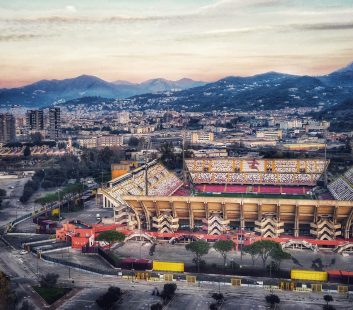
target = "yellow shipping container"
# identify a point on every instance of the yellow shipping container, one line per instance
(55, 211)
(309, 275)
(168, 266)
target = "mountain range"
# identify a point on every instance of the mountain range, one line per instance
(271, 90)
(48, 92)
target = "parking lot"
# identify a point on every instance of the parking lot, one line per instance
(85, 299)
(191, 302)
(139, 300)
(178, 253)
(75, 256)
(137, 297)
(88, 215)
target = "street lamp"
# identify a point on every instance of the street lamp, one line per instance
(39, 253)
(58, 191)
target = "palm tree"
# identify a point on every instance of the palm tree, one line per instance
(328, 298)
(328, 307)
(273, 300)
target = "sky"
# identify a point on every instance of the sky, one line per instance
(205, 40)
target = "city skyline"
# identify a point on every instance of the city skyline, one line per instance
(203, 40)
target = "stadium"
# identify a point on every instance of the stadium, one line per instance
(238, 198)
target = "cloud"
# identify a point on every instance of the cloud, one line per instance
(221, 33)
(71, 8)
(238, 30)
(324, 26)
(19, 37)
(226, 4)
(215, 5)
(85, 19)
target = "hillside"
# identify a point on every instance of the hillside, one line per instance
(49, 92)
(271, 90)
(260, 92)
(340, 116)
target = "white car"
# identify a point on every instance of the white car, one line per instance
(23, 252)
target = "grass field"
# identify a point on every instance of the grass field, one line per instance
(51, 295)
(54, 196)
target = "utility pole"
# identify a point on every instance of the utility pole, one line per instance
(146, 170)
(59, 205)
(183, 150)
(140, 244)
(325, 175)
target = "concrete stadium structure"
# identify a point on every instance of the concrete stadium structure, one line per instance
(217, 215)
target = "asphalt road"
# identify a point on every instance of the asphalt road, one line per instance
(189, 296)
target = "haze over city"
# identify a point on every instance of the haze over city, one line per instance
(200, 39)
(176, 154)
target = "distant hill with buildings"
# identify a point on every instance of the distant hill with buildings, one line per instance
(271, 90)
(48, 92)
(339, 115)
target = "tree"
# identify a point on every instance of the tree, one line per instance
(111, 236)
(328, 298)
(26, 306)
(264, 249)
(36, 138)
(278, 255)
(107, 300)
(2, 195)
(7, 297)
(252, 251)
(273, 300)
(49, 280)
(168, 155)
(218, 297)
(223, 247)
(317, 264)
(27, 151)
(328, 307)
(199, 248)
(157, 306)
(133, 142)
(61, 145)
(168, 291)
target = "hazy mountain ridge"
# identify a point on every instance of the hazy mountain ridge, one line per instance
(48, 92)
(271, 90)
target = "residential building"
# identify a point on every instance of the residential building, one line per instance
(200, 137)
(34, 120)
(109, 141)
(100, 141)
(54, 123)
(7, 128)
(123, 117)
(269, 134)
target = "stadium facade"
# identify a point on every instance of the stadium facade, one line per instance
(153, 199)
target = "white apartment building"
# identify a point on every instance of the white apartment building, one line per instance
(200, 137)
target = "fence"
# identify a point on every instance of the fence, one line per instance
(29, 215)
(82, 267)
(109, 257)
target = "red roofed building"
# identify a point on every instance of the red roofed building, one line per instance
(81, 234)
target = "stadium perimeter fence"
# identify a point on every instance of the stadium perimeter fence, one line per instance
(111, 272)
(110, 258)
